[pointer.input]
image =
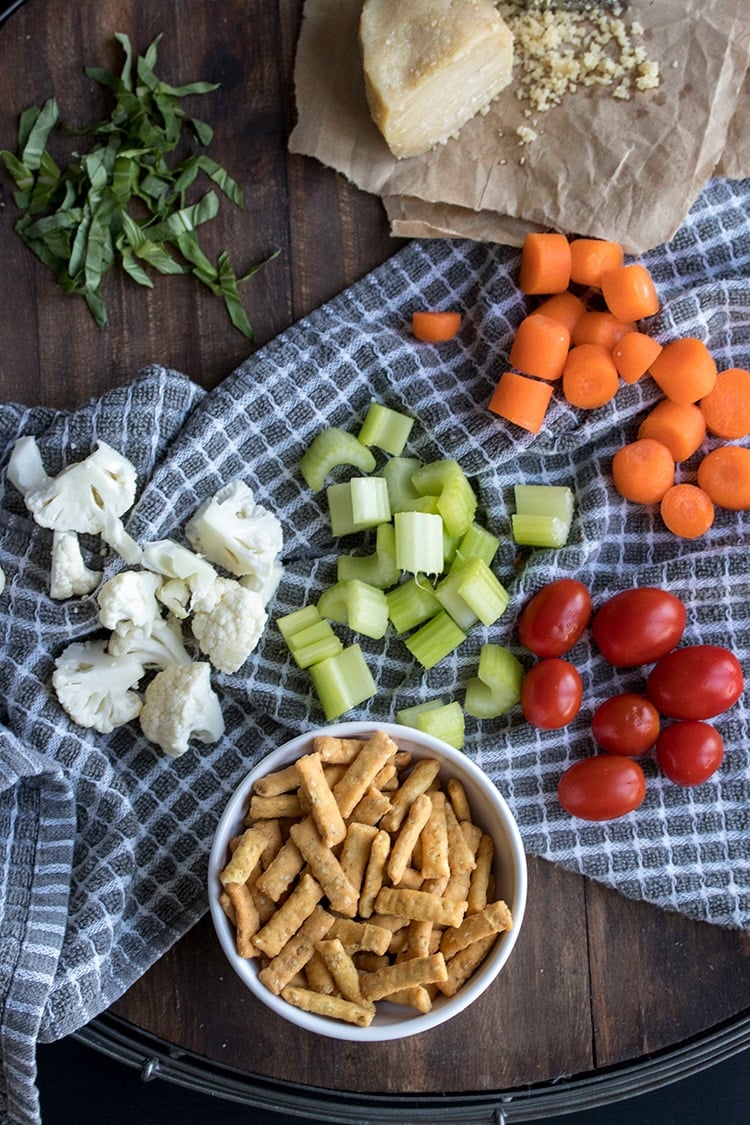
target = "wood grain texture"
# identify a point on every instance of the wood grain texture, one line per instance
(595, 979)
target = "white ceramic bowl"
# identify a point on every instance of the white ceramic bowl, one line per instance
(489, 811)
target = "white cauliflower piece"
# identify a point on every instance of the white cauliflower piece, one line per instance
(159, 644)
(69, 575)
(188, 576)
(25, 467)
(227, 623)
(180, 704)
(237, 534)
(265, 590)
(128, 600)
(95, 688)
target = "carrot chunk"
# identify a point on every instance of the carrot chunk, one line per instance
(596, 327)
(521, 400)
(545, 263)
(589, 377)
(590, 257)
(435, 326)
(678, 425)
(726, 408)
(633, 355)
(687, 510)
(643, 470)
(629, 292)
(565, 307)
(540, 346)
(684, 369)
(724, 474)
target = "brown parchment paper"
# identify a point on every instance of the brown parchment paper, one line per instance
(600, 166)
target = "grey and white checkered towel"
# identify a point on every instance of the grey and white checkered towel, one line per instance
(104, 841)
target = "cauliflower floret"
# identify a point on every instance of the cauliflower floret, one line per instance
(227, 623)
(265, 590)
(25, 467)
(237, 534)
(157, 645)
(69, 575)
(128, 600)
(180, 704)
(95, 688)
(188, 576)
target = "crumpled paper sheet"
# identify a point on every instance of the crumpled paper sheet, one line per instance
(602, 167)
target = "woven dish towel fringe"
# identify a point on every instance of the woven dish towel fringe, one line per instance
(144, 823)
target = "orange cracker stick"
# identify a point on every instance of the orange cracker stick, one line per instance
(272, 808)
(296, 953)
(419, 781)
(358, 937)
(418, 941)
(478, 889)
(416, 818)
(420, 905)
(322, 803)
(281, 871)
(245, 856)
(351, 788)
(285, 921)
(458, 799)
(435, 859)
(318, 975)
(461, 854)
(246, 918)
(285, 780)
(333, 1006)
(494, 918)
(325, 867)
(465, 962)
(403, 974)
(356, 852)
(374, 872)
(342, 969)
(372, 808)
(417, 997)
(337, 749)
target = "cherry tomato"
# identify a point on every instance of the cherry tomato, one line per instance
(695, 682)
(626, 724)
(689, 752)
(555, 618)
(602, 787)
(638, 626)
(551, 693)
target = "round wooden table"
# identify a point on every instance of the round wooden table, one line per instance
(603, 997)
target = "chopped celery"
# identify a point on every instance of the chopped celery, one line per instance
(544, 500)
(408, 716)
(477, 543)
(457, 502)
(329, 448)
(378, 569)
(446, 723)
(386, 429)
(314, 644)
(362, 607)
(482, 591)
(435, 639)
(448, 594)
(342, 681)
(411, 604)
(497, 686)
(419, 542)
(539, 531)
(299, 619)
(341, 505)
(398, 472)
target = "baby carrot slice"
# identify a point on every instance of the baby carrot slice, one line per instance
(565, 307)
(590, 257)
(597, 327)
(540, 346)
(643, 470)
(687, 510)
(629, 292)
(589, 377)
(433, 326)
(727, 407)
(633, 355)
(521, 400)
(684, 369)
(678, 425)
(724, 474)
(545, 263)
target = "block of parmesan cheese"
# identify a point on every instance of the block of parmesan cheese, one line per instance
(430, 66)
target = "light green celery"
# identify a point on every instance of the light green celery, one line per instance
(435, 639)
(497, 686)
(386, 429)
(369, 501)
(456, 500)
(318, 646)
(398, 472)
(341, 506)
(477, 543)
(544, 500)
(448, 594)
(378, 569)
(408, 716)
(539, 531)
(299, 619)
(446, 722)
(362, 607)
(342, 681)
(330, 448)
(411, 604)
(419, 542)
(482, 591)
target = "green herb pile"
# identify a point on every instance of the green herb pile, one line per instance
(121, 200)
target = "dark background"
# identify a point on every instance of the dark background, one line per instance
(79, 1085)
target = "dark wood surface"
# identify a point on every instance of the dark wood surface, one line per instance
(595, 979)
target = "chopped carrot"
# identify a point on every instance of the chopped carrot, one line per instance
(432, 326)
(589, 377)
(684, 369)
(727, 407)
(540, 346)
(629, 292)
(724, 474)
(590, 257)
(643, 470)
(633, 355)
(521, 400)
(596, 327)
(545, 263)
(678, 425)
(687, 510)
(565, 307)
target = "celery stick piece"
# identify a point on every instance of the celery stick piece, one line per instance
(482, 591)
(354, 603)
(378, 569)
(477, 543)
(333, 603)
(299, 619)
(539, 531)
(544, 500)
(497, 686)
(330, 448)
(457, 502)
(448, 594)
(411, 604)
(386, 429)
(309, 635)
(446, 722)
(435, 639)
(408, 716)
(326, 645)
(369, 501)
(419, 542)
(342, 681)
(398, 472)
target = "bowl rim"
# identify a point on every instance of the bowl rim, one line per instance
(411, 1022)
